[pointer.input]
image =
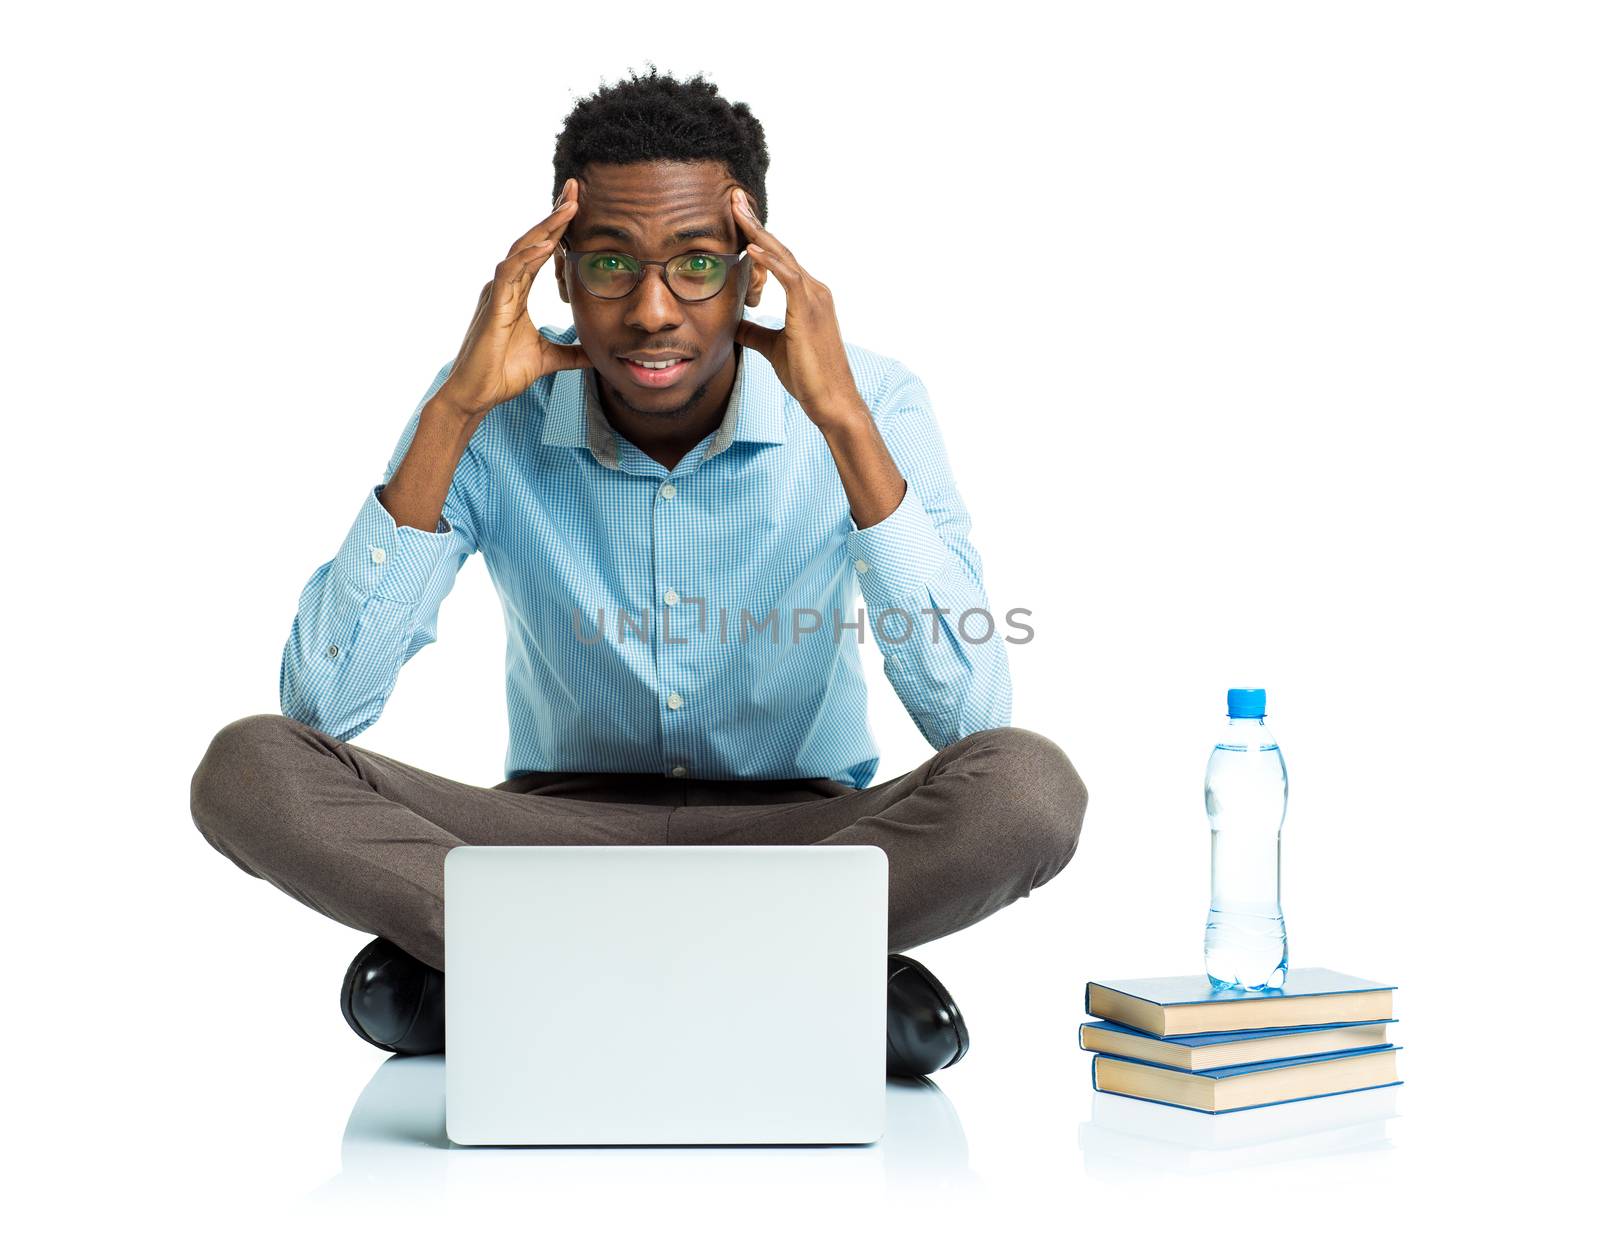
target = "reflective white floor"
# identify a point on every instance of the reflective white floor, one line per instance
(396, 1140)
(223, 1096)
(1125, 1137)
(208, 1083)
(394, 1148)
(394, 1152)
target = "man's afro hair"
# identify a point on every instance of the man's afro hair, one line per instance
(658, 117)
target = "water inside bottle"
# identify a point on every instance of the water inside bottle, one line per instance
(1246, 795)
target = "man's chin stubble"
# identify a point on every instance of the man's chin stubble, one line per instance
(674, 412)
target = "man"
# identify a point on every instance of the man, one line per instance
(677, 506)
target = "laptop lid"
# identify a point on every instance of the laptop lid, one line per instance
(665, 994)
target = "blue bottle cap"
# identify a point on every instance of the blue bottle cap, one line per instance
(1247, 703)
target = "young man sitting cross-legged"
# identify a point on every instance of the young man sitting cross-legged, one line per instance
(677, 506)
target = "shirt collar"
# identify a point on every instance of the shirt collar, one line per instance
(573, 415)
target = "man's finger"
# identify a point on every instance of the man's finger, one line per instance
(515, 273)
(537, 251)
(758, 337)
(551, 227)
(477, 314)
(745, 213)
(572, 357)
(789, 274)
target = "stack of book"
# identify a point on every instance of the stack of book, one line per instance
(1178, 1041)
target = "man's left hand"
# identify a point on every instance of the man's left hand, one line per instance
(808, 351)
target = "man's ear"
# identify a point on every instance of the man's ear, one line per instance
(561, 274)
(758, 280)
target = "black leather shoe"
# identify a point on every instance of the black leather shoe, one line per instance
(392, 1000)
(925, 1031)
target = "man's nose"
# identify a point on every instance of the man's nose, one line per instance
(652, 306)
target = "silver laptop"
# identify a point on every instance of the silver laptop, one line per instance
(665, 994)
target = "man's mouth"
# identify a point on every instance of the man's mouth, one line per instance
(657, 372)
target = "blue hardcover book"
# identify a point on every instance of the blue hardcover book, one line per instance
(1212, 1049)
(1227, 1089)
(1185, 1005)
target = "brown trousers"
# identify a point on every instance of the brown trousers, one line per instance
(362, 838)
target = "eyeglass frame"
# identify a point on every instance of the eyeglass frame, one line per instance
(737, 257)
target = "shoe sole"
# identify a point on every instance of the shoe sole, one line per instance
(945, 1000)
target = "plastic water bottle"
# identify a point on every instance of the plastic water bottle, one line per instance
(1247, 793)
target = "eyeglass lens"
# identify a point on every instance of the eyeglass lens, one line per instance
(693, 277)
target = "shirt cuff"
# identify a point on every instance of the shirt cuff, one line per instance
(898, 556)
(379, 558)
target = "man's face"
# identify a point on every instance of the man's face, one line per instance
(657, 211)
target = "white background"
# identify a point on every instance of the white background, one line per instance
(1299, 391)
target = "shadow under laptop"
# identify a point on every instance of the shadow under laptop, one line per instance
(396, 1139)
(1128, 1137)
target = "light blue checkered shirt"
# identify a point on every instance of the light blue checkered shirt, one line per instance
(702, 621)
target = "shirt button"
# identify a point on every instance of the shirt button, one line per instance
(333, 649)
(862, 567)
(378, 556)
(668, 491)
(671, 597)
(674, 700)
(678, 770)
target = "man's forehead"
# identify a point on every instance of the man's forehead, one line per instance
(644, 203)
(662, 176)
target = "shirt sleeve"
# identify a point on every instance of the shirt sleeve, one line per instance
(368, 611)
(922, 581)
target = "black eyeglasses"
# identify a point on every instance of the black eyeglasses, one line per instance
(692, 277)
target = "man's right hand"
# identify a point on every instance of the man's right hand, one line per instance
(503, 352)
